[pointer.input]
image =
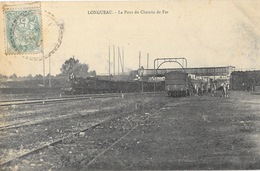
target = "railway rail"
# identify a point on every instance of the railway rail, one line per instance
(42, 97)
(94, 125)
(62, 99)
(4, 163)
(45, 142)
(25, 123)
(51, 119)
(54, 100)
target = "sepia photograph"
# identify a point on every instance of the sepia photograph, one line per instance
(129, 85)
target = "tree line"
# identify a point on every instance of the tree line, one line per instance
(70, 66)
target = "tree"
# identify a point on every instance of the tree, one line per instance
(13, 76)
(38, 76)
(78, 69)
(68, 66)
(48, 75)
(3, 76)
(92, 73)
(29, 76)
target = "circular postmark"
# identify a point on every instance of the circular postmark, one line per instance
(52, 36)
(53, 41)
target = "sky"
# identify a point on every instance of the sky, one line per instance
(207, 33)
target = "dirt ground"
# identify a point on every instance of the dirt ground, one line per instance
(45, 123)
(199, 132)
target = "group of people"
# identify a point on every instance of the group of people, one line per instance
(211, 87)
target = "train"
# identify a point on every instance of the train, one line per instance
(175, 84)
(91, 85)
(178, 84)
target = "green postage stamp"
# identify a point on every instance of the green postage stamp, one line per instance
(23, 30)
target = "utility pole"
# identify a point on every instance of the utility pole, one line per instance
(43, 63)
(109, 60)
(114, 60)
(147, 60)
(50, 71)
(123, 59)
(214, 72)
(118, 60)
(74, 75)
(139, 59)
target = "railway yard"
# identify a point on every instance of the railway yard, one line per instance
(133, 131)
(80, 90)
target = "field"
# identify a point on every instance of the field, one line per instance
(135, 132)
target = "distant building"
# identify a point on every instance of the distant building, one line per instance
(221, 73)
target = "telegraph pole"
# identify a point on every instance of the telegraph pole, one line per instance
(123, 59)
(118, 60)
(43, 63)
(139, 59)
(121, 62)
(147, 60)
(50, 71)
(114, 60)
(109, 60)
(73, 66)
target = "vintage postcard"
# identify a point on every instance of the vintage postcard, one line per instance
(128, 85)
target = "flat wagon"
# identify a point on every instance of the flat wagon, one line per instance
(95, 85)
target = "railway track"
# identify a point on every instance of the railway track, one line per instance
(133, 118)
(63, 99)
(24, 123)
(51, 119)
(56, 100)
(4, 163)
(46, 142)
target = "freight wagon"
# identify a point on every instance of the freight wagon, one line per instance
(245, 80)
(177, 84)
(94, 85)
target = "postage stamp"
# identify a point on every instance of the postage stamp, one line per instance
(23, 30)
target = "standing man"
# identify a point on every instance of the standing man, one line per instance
(213, 90)
(225, 90)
